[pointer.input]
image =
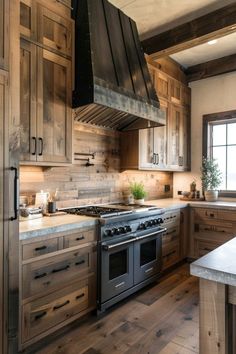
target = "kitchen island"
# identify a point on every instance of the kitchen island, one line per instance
(217, 273)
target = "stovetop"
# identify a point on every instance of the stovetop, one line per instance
(111, 210)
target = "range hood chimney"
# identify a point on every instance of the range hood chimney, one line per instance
(113, 87)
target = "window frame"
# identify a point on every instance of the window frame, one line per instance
(216, 117)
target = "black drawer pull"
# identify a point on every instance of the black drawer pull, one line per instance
(79, 296)
(207, 249)
(60, 269)
(35, 145)
(40, 248)
(40, 276)
(170, 254)
(80, 262)
(37, 317)
(212, 215)
(80, 238)
(62, 305)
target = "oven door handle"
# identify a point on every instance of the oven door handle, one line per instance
(138, 238)
(110, 247)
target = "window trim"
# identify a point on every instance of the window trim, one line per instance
(215, 117)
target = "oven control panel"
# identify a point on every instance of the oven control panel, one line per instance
(150, 223)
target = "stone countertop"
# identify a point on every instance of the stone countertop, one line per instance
(218, 265)
(175, 203)
(46, 225)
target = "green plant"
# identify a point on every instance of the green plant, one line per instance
(211, 174)
(137, 190)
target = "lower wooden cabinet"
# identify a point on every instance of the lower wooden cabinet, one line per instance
(210, 228)
(58, 282)
(44, 315)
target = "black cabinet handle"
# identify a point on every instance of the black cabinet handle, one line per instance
(35, 145)
(16, 193)
(40, 248)
(80, 238)
(62, 305)
(79, 296)
(181, 161)
(40, 276)
(41, 146)
(60, 269)
(157, 159)
(80, 262)
(37, 317)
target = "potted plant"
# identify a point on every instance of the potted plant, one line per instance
(211, 179)
(138, 192)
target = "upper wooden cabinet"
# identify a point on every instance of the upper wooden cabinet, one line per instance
(4, 31)
(46, 27)
(46, 117)
(163, 148)
(178, 149)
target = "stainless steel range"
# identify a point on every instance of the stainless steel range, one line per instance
(129, 249)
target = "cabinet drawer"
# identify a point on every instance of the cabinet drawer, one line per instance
(43, 276)
(206, 213)
(80, 237)
(36, 249)
(171, 234)
(171, 218)
(44, 313)
(204, 247)
(170, 254)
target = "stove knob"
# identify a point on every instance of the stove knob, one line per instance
(146, 224)
(155, 222)
(127, 228)
(107, 232)
(120, 230)
(160, 221)
(142, 226)
(113, 232)
(151, 223)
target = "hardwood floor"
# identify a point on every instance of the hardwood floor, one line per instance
(161, 319)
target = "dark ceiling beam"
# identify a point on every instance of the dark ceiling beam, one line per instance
(211, 26)
(211, 68)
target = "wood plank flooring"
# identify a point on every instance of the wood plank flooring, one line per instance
(160, 319)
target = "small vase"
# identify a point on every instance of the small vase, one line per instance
(211, 196)
(139, 201)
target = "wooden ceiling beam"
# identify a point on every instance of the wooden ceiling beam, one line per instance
(211, 26)
(211, 68)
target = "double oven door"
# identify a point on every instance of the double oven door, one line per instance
(127, 262)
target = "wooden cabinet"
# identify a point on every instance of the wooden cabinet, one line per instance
(171, 252)
(46, 84)
(210, 228)
(45, 26)
(4, 33)
(163, 148)
(58, 281)
(178, 151)
(46, 122)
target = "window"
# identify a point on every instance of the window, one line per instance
(219, 142)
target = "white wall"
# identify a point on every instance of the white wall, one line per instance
(216, 94)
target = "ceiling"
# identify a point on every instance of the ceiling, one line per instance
(156, 16)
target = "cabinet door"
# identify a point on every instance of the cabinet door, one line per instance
(185, 143)
(146, 148)
(3, 116)
(28, 138)
(28, 19)
(160, 140)
(162, 85)
(54, 124)
(4, 24)
(175, 91)
(176, 138)
(54, 31)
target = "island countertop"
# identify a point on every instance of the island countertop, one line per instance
(218, 265)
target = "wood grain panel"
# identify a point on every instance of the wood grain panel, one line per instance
(4, 33)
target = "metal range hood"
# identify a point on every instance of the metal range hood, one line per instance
(113, 87)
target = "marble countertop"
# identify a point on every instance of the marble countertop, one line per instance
(218, 265)
(46, 225)
(43, 226)
(174, 203)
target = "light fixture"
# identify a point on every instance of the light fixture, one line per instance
(214, 41)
